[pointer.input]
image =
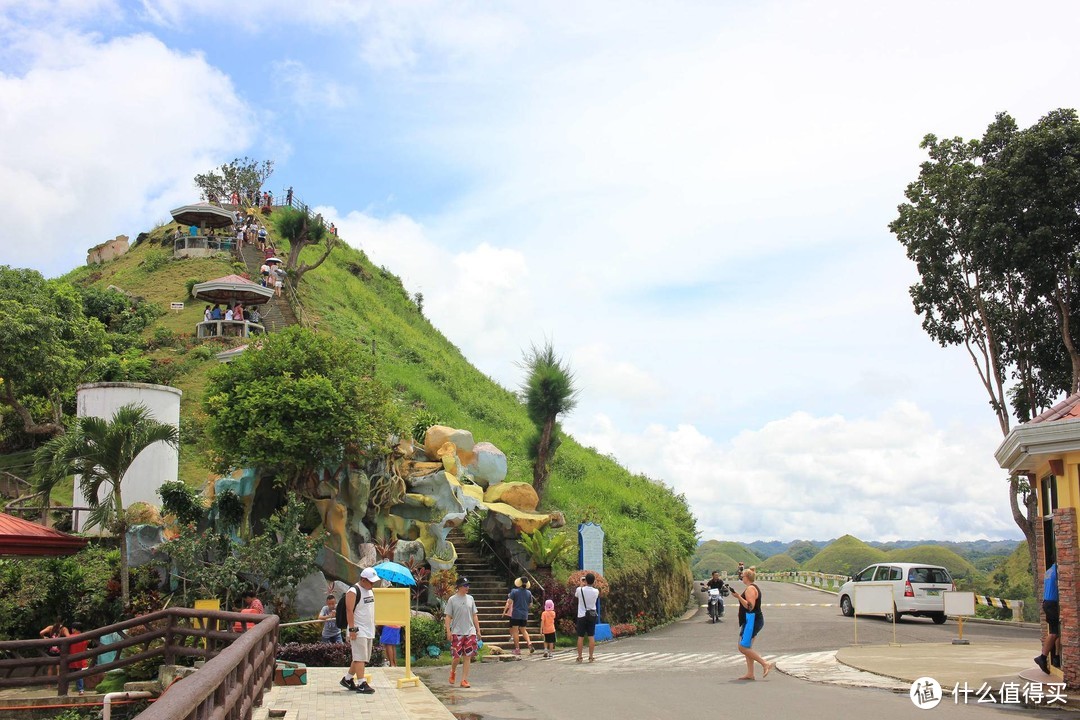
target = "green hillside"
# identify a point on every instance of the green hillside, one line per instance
(650, 532)
(844, 556)
(781, 562)
(958, 567)
(721, 555)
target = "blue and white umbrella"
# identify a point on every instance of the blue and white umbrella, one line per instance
(395, 573)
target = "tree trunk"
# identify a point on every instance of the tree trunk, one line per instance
(121, 529)
(31, 426)
(543, 448)
(1064, 323)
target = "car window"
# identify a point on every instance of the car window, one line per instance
(886, 572)
(929, 575)
(866, 575)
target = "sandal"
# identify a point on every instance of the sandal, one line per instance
(592, 659)
(579, 658)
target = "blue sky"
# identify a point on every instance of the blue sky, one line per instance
(690, 199)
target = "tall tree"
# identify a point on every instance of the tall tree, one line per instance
(989, 228)
(47, 347)
(242, 176)
(295, 403)
(549, 392)
(303, 230)
(101, 452)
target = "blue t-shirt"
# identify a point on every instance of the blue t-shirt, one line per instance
(1050, 588)
(521, 598)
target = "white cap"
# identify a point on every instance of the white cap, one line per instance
(370, 575)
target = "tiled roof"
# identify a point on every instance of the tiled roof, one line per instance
(22, 537)
(1067, 409)
(232, 279)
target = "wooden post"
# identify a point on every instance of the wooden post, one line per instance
(169, 654)
(62, 671)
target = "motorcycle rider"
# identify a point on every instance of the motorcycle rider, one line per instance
(716, 583)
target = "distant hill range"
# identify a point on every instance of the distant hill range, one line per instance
(968, 549)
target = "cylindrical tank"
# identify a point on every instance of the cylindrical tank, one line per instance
(158, 463)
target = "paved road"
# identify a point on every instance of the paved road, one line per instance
(688, 669)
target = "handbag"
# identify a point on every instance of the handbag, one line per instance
(590, 614)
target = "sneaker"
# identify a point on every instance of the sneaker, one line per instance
(347, 683)
(465, 684)
(453, 677)
(365, 689)
(1041, 662)
(517, 651)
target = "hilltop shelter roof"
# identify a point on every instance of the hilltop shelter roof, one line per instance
(22, 538)
(1051, 434)
(232, 289)
(203, 215)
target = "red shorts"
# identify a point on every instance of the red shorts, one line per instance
(462, 646)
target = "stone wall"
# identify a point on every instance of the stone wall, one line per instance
(106, 251)
(1068, 562)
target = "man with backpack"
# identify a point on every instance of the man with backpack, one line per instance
(356, 611)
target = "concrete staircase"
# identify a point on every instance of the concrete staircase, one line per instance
(489, 587)
(277, 314)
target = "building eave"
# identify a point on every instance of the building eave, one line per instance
(1027, 445)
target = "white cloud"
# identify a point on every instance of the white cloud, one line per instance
(892, 476)
(305, 92)
(98, 138)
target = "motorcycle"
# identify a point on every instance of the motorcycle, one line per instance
(716, 602)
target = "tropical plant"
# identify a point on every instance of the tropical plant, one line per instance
(384, 548)
(101, 452)
(302, 230)
(549, 392)
(545, 549)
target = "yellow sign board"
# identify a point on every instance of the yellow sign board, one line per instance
(212, 604)
(392, 608)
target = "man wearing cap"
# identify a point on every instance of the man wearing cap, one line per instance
(462, 630)
(360, 607)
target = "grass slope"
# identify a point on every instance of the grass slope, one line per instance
(780, 562)
(846, 555)
(649, 531)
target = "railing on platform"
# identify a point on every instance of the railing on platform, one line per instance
(166, 634)
(228, 328)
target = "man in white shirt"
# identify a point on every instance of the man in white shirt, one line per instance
(587, 615)
(360, 606)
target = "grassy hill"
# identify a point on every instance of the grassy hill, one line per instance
(721, 555)
(650, 532)
(958, 567)
(844, 556)
(780, 562)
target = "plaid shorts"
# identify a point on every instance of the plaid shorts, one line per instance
(462, 646)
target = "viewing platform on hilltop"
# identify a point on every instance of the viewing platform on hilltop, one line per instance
(196, 246)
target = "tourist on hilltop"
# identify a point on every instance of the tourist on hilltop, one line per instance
(234, 198)
(331, 633)
(269, 199)
(238, 312)
(229, 315)
(207, 317)
(462, 630)
(587, 616)
(750, 623)
(255, 316)
(1053, 618)
(517, 609)
(360, 609)
(262, 237)
(193, 231)
(215, 314)
(264, 272)
(279, 280)
(547, 627)
(288, 197)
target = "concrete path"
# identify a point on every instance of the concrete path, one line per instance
(322, 697)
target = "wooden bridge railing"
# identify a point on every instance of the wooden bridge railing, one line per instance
(166, 634)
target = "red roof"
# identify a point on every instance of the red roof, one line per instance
(24, 538)
(1067, 409)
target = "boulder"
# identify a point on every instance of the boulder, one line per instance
(366, 555)
(142, 513)
(488, 466)
(311, 595)
(558, 520)
(439, 435)
(505, 522)
(407, 550)
(519, 495)
(142, 542)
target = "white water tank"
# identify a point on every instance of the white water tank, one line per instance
(155, 465)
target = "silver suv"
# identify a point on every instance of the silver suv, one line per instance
(917, 589)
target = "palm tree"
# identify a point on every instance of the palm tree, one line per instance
(101, 452)
(549, 392)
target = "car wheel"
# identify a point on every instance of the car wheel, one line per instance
(893, 616)
(846, 606)
(939, 618)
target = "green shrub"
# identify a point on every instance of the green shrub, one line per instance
(425, 632)
(155, 260)
(189, 287)
(164, 337)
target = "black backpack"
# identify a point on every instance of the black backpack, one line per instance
(343, 623)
